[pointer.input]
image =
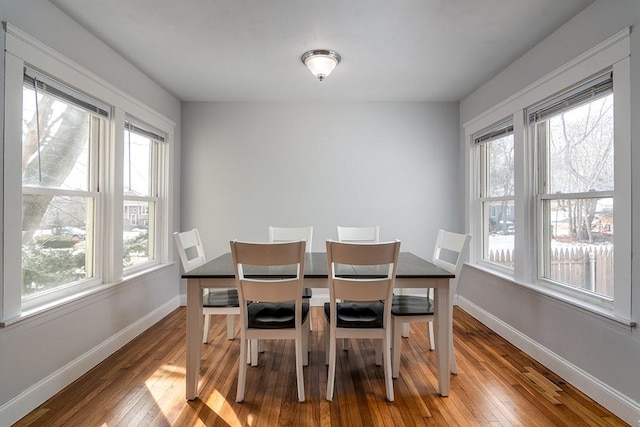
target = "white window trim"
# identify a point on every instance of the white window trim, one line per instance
(22, 49)
(612, 53)
(483, 198)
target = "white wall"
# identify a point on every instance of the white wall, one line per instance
(42, 354)
(600, 356)
(246, 166)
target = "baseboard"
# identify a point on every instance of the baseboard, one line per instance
(616, 402)
(27, 401)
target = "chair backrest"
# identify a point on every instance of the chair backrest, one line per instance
(291, 234)
(450, 252)
(252, 263)
(359, 234)
(190, 249)
(343, 284)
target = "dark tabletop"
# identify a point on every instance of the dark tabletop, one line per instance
(410, 266)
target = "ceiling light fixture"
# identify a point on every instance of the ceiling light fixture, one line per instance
(321, 62)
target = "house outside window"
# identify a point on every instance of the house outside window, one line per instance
(140, 191)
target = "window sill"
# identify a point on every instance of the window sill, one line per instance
(590, 308)
(77, 298)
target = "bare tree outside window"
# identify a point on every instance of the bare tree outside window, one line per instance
(56, 203)
(578, 206)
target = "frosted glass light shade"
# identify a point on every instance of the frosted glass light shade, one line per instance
(321, 62)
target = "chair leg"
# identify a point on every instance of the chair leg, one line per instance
(405, 330)
(254, 352)
(432, 342)
(300, 352)
(326, 343)
(387, 367)
(205, 328)
(379, 350)
(242, 369)
(306, 330)
(454, 367)
(332, 365)
(231, 326)
(395, 346)
(405, 326)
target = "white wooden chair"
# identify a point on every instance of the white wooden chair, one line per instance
(280, 312)
(369, 234)
(359, 234)
(449, 253)
(222, 302)
(291, 234)
(281, 235)
(367, 310)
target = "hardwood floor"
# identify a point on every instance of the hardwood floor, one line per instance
(143, 385)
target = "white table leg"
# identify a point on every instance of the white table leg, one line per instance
(442, 331)
(194, 336)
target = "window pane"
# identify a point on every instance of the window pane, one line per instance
(55, 242)
(136, 233)
(581, 148)
(500, 167)
(58, 155)
(579, 249)
(137, 161)
(499, 232)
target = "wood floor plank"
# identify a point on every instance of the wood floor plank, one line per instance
(143, 384)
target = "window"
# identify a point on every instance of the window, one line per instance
(496, 193)
(61, 134)
(69, 179)
(574, 135)
(140, 188)
(554, 159)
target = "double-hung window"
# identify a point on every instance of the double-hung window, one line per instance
(554, 159)
(78, 154)
(62, 131)
(574, 136)
(496, 193)
(140, 192)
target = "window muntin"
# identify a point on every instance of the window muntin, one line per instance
(576, 188)
(60, 142)
(140, 184)
(497, 191)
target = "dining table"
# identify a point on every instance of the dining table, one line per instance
(412, 272)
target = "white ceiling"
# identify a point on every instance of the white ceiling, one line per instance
(392, 50)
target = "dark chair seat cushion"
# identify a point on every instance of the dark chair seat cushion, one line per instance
(408, 305)
(306, 293)
(227, 298)
(281, 315)
(357, 314)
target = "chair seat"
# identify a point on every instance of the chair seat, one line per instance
(306, 293)
(357, 314)
(263, 315)
(409, 305)
(227, 298)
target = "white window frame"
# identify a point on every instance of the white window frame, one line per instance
(614, 54)
(483, 198)
(544, 196)
(154, 208)
(21, 50)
